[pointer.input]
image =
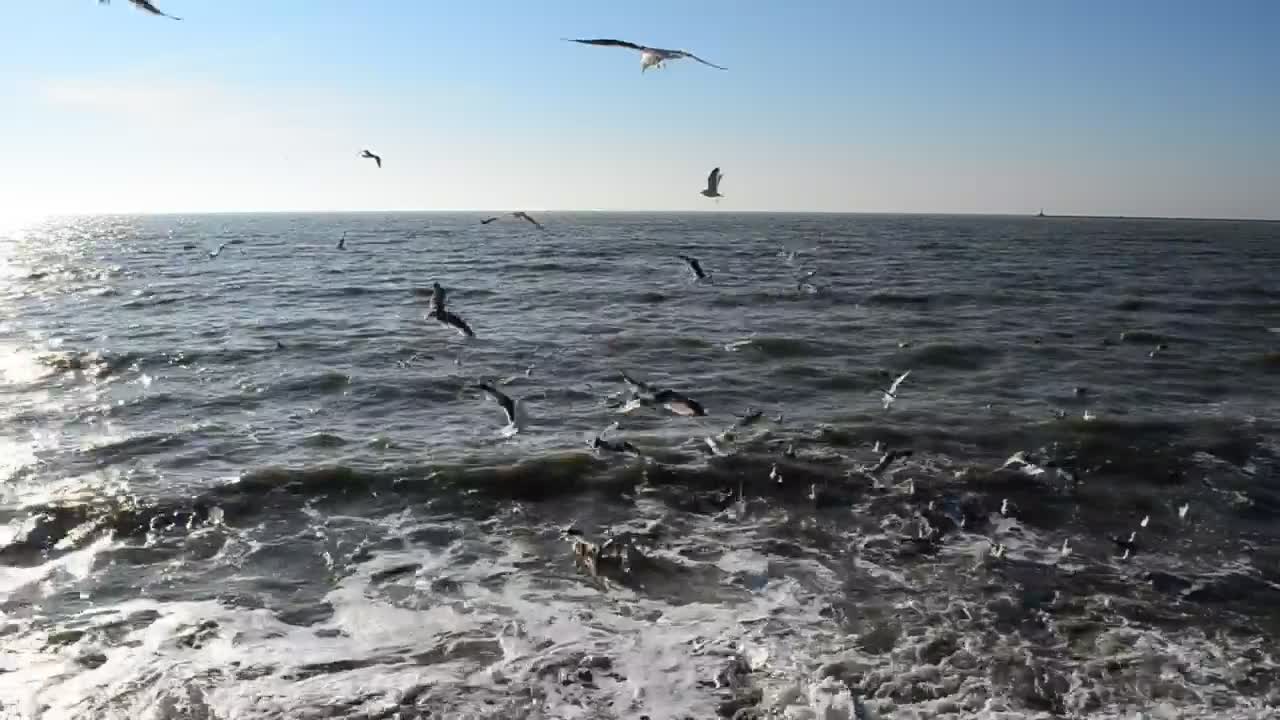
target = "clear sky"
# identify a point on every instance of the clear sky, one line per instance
(1134, 107)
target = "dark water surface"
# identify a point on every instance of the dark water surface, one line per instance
(196, 522)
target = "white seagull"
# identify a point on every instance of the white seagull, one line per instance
(713, 184)
(892, 393)
(144, 5)
(649, 56)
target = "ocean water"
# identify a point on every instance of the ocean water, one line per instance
(258, 485)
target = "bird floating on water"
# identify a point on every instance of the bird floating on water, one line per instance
(146, 6)
(216, 253)
(649, 56)
(371, 156)
(713, 184)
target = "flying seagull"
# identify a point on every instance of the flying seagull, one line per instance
(892, 393)
(694, 266)
(645, 395)
(486, 221)
(342, 244)
(504, 401)
(713, 184)
(521, 215)
(371, 156)
(144, 5)
(442, 315)
(649, 57)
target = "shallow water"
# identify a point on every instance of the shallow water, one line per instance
(196, 521)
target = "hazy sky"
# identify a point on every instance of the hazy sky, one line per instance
(1160, 107)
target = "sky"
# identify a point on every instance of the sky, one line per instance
(1116, 107)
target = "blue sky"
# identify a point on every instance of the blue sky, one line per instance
(1131, 107)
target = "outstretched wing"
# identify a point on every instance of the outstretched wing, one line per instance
(604, 42)
(713, 180)
(144, 5)
(508, 405)
(691, 56)
(525, 216)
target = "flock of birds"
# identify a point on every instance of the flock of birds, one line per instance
(650, 57)
(640, 394)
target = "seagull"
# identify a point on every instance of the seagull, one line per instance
(486, 221)
(437, 300)
(774, 474)
(892, 393)
(371, 156)
(753, 415)
(146, 6)
(693, 264)
(504, 401)
(644, 394)
(619, 446)
(649, 56)
(888, 460)
(216, 253)
(521, 215)
(1182, 511)
(1066, 547)
(342, 244)
(713, 184)
(444, 317)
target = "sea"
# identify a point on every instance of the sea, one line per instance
(243, 474)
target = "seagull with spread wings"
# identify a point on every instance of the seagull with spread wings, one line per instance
(713, 184)
(146, 6)
(649, 56)
(370, 156)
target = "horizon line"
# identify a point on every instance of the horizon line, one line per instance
(915, 213)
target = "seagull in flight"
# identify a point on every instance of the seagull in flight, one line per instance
(441, 315)
(146, 6)
(713, 184)
(371, 156)
(693, 264)
(892, 393)
(519, 215)
(649, 56)
(644, 395)
(522, 215)
(504, 401)
(342, 244)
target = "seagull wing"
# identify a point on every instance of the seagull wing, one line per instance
(486, 221)
(691, 56)
(525, 216)
(146, 6)
(607, 43)
(378, 159)
(508, 405)
(893, 389)
(713, 180)
(637, 386)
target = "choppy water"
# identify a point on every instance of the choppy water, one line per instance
(198, 523)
